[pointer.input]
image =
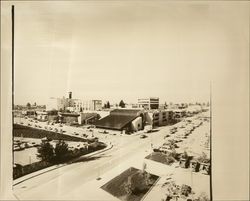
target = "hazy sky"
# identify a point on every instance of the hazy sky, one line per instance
(124, 50)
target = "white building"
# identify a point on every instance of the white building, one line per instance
(87, 105)
(149, 103)
(73, 105)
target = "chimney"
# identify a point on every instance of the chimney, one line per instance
(70, 95)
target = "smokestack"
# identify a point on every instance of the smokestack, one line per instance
(70, 95)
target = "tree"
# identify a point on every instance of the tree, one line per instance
(165, 105)
(34, 104)
(28, 105)
(108, 104)
(46, 152)
(105, 106)
(61, 150)
(122, 104)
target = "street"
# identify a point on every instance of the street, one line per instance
(62, 181)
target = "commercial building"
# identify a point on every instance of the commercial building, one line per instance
(87, 105)
(149, 103)
(60, 104)
(68, 118)
(88, 118)
(161, 117)
(127, 120)
(73, 105)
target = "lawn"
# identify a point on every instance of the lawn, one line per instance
(167, 159)
(130, 185)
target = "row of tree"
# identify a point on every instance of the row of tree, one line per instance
(121, 104)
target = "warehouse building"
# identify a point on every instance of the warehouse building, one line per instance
(127, 120)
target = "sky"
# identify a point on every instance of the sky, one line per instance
(113, 50)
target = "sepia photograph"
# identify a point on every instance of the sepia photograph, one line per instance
(125, 100)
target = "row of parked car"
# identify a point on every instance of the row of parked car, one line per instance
(181, 132)
(20, 145)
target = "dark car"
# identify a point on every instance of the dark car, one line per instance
(143, 136)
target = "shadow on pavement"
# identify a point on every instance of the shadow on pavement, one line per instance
(87, 159)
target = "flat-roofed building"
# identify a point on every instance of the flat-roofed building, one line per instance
(87, 105)
(88, 118)
(68, 118)
(73, 105)
(161, 117)
(149, 103)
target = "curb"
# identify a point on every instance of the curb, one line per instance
(15, 182)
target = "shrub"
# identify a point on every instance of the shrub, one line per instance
(45, 152)
(61, 151)
(185, 190)
(203, 158)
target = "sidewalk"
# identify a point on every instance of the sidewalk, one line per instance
(48, 169)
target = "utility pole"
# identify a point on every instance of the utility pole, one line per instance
(12, 67)
(211, 189)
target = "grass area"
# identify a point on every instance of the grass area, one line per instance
(25, 131)
(167, 159)
(130, 185)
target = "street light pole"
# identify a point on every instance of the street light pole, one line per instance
(211, 190)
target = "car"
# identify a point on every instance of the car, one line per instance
(143, 136)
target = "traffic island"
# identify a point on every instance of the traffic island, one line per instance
(131, 185)
(165, 158)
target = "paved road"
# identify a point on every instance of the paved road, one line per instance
(54, 184)
(63, 182)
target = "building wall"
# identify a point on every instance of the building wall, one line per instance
(148, 103)
(96, 105)
(89, 119)
(52, 118)
(136, 124)
(69, 119)
(160, 118)
(87, 105)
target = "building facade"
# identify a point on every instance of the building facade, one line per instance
(148, 103)
(87, 105)
(73, 105)
(161, 117)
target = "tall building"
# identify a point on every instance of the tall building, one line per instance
(60, 103)
(87, 105)
(149, 103)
